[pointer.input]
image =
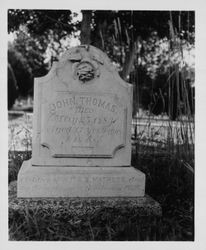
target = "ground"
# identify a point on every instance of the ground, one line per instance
(169, 168)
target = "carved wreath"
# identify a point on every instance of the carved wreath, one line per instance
(85, 65)
(85, 71)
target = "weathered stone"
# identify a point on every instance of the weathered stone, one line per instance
(82, 120)
(81, 131)
(58, 181)
(144, 206)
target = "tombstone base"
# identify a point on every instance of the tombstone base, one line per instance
(57, 181)
(58, 219)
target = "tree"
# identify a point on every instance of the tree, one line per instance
(21, 70)
(127, 29)
(35, 30)
(12, 87)
(85, 35)
(40, 22)
(126, 36)
(104, 29)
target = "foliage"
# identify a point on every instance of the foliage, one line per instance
(112, 31)
(40, 22)
(125, 26)
(41, 28)
(148, 47)
(39, 33)
(159, 56)
(155, 51)
(170, 92)
(33, 52)
(145, 45)
(173, 94)
(21, 69)
(12, 87)
(118, 30)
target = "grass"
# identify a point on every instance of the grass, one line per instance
(165, 153)
(57, 223)
(166, 156)
(167, 180)
(16, 159)
(170, 183)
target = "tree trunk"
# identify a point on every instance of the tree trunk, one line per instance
(85, 36)
(129, 60)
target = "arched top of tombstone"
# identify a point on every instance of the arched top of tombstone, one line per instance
(86, 52)
(85, 63)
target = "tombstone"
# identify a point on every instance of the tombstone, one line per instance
(81, 132)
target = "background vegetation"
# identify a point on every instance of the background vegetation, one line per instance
(154, 51)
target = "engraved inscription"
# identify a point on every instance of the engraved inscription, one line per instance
(93, 182)
(83, 125)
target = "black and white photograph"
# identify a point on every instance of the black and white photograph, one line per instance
(101, 124)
